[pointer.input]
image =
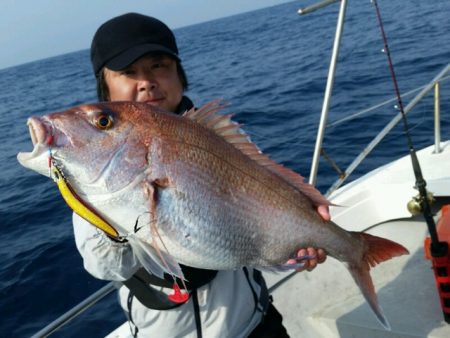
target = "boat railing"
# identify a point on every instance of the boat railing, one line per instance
(75, 311)
(318, 148)
(433, 84)
(315, 7)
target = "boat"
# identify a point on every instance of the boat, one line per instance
(383, 202)
(326, 302)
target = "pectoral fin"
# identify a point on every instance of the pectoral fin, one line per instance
(152, 259)
(149, 251)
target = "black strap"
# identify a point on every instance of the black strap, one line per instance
(140, 284)
(255, 296)
(130, 316)
(261, 302)
(195, 278)
(264, 297)
(271, 326)
(198, 322)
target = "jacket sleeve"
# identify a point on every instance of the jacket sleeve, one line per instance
(103, 258)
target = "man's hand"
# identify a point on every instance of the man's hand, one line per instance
(324, 212)
(318, 256)
(307, 259)
(310, 257)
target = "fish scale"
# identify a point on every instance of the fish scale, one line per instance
(207, 173)
(219, 241)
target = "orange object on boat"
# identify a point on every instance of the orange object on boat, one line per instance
(441, 265)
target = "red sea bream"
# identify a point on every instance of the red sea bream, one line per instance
(193, 189)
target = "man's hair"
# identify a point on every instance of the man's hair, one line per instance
(103, 91)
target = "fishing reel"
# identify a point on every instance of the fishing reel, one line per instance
(415, 204)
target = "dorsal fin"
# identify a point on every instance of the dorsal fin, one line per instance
(223, 126)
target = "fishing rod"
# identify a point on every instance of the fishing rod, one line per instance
(435, 250)
(438, 248)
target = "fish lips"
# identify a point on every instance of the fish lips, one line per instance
(41, 133)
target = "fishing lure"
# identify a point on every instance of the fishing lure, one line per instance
(76, 203)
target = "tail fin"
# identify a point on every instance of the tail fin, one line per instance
(378, 250)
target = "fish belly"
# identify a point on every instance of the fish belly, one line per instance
(215, 232)
(223, 210)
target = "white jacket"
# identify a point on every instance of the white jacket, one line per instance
(227, 304)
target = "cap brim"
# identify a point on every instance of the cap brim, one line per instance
(126, 58)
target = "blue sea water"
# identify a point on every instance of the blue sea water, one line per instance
(271, 66)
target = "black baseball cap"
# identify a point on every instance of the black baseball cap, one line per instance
(124, 39)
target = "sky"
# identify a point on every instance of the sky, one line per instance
(36, 29)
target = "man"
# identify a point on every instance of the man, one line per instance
(135, 58)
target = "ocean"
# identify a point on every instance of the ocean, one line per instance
(270, 65)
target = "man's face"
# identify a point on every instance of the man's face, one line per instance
(151, 79)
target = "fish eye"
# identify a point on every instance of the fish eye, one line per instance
(103, 121)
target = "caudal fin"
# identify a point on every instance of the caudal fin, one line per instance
(378, 250)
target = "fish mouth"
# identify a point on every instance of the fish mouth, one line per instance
(38, 131)
(41, 137)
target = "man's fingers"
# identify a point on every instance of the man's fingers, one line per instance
(312, 262)
(324, 212)
(321, 256)
(312, 258)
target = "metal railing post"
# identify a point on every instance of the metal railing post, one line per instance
(328, 90)
(315, 7)
(437, 118)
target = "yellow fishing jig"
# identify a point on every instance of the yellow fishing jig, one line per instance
(77, 205)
